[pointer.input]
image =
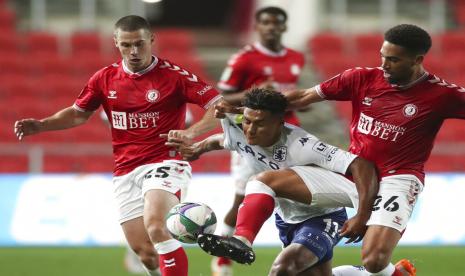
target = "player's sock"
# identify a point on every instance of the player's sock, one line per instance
(389, 270)
(227, 230)
(155, 272)
(257, 207)
(349, 270)
(172, 258)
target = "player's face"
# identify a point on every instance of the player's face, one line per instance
(270, 27)
(135, 48)
(261, 128)
(398, 64)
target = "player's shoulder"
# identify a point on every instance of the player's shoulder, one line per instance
(107, 71)
(365, 73)
(443, 86)
(170, 69)
(298, 137)
(243, 54)
(294, 53)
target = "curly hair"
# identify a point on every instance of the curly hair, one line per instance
(266, 99)
(271, 10)
(413, 38)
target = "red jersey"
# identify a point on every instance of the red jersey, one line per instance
(143, 105)
(255, 64)
(394, 126)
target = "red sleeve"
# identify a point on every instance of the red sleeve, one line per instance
(90, 97)
(456, 104)
(196, 91)
(234, 74)
(341, 87)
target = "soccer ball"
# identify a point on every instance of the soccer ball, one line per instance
(187, 220)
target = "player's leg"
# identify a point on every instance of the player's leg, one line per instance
(329, 189)
(132, 263)
(308, 245)
(139, 241)
(391, 211)
(163, 186)
(128, 195)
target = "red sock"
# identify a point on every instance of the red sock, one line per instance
(254, 211)
(223, 261)
(397, 272)
(173, 263)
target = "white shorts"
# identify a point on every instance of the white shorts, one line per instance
(240, 172)
(328, 189)
(395, 201)
(170, 175)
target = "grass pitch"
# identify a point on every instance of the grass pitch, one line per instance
(79, 261)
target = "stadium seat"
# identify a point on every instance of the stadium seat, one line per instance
(85, 42)
(452, 42)
(41, 43)
(7, 20)
(368, 43)
(14, 163)
(51, 64)
(326, 42)
(174, 39)
(10, 43)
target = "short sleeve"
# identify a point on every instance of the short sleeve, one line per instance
(234, 74)
(456, 104)
(196, 91)
(309, 150)
(90, 97)
(227, 125)
(341, 87)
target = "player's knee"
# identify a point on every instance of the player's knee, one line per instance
(283, 267)
(268, 179)
(157, 232)
(375, 260)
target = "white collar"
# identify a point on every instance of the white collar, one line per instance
(143, 71)
(262, 49)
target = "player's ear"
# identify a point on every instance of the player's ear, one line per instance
(419, 59)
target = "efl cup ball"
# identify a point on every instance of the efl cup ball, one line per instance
(186, 221)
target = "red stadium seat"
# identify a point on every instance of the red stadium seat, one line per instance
(452, 42)
(51, 64)
(326, 42)
(7, 20)
(41, 43)
(14, 164)
(174, 39)
(368, 43)
(85, 42)
(10, 43)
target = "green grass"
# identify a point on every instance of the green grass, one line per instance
(39, 261)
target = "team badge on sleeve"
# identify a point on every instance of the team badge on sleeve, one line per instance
(280, 153)
(152, 95)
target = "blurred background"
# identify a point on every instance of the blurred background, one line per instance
(55, 188)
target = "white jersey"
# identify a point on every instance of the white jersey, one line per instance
(295, 147)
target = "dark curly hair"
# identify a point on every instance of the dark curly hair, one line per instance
(413, 38)
(266, 99)
(271, 10)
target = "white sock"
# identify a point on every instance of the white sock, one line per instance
(349, 270)
(227, 230)
(155, 272)
(387, 271)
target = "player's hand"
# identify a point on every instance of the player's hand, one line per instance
(354, 229)
(293, 97)
(26, 127)
(177, 138)
(188, 151)
(222, 107)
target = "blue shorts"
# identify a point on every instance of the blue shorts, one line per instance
(318, 234)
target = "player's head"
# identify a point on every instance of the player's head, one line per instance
(403, 52)
(263, 116)
(270, 24)
(133, 38)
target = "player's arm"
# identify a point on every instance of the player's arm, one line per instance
(63, 119)
(207, 123)
(300, 99)
(191, 152)
(366, 181)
